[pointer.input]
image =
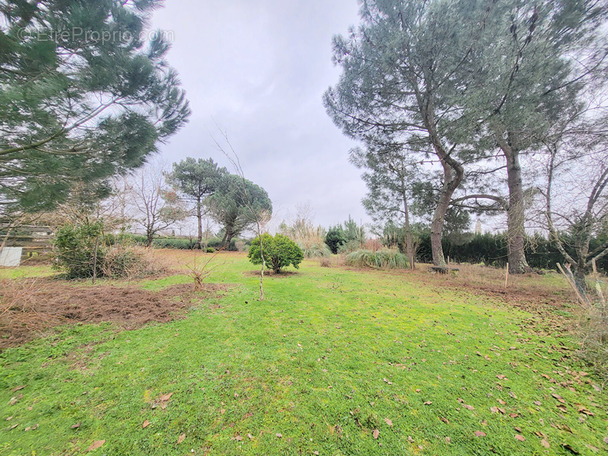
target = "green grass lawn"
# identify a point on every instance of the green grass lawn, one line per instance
(333, 362)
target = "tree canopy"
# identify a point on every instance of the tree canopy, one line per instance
(83, 96)
(237, 205)
(196, 180)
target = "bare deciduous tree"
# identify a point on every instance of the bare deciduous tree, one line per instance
(576, 192)
(156, 205)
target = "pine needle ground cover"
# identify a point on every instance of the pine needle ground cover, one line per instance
(333, 362)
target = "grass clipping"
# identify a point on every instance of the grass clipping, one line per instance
(381, 259)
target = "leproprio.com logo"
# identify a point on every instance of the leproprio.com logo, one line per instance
(78, 34)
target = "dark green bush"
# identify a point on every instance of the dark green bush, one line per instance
(335, 238)
(279, 252)
(74, 250)
(210, 250)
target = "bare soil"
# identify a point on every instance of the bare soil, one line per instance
(31, 308)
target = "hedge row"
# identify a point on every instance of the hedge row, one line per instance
(175, 243)
(491, 250)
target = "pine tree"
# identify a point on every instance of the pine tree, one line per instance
(82, 96)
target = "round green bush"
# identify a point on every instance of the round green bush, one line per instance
(279, 252)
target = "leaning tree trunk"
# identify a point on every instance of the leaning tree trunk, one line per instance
(516, 230)
(452, 174)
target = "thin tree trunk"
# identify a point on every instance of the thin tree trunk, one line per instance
(199, 217)
(409, 243)
(516, 230)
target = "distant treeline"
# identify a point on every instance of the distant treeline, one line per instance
(491, 250)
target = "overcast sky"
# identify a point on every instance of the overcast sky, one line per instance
(259, 69)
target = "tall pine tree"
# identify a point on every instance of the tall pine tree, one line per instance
(83, 96)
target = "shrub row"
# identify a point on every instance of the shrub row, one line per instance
(491, 250)
(383, 259)
(179, 243)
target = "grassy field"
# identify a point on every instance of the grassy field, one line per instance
(333, 362)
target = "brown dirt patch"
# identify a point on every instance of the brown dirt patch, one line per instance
(32, 307)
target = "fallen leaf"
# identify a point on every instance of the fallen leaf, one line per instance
(469, 407)
(376, 433)
(569, 448)
(9, 418)
(19, 388)
(95, 445)
(181, 438)
(501, 377)
(520, 437)
(480, 434)
(592, 448)
(501, 402)
(280, 436)
(76, 426)
(250, 436)
(13, 427)
(544, 443)
(445, 420)
(513, 415)
(145, 425)
(537, 403)
(165, 397)
(387, 421)
(387, 381)
(582, 409)
(448, 440)
(559, 398)
(238, 438)
(428, 403)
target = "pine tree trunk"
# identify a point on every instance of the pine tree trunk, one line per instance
(516, 230)
(453, 173)
(579, 274)
(452, 179)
